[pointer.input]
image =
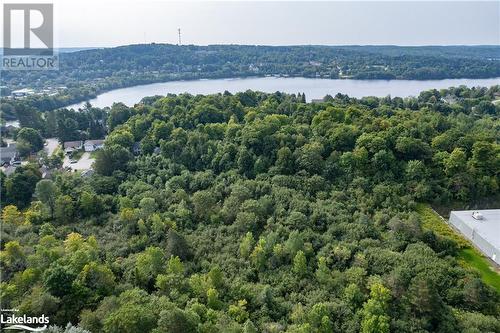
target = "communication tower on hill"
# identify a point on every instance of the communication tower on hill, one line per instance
(179, 31)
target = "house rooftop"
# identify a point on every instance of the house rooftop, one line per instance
(9, 170)
(7, 153)
(94, 142)
(72, 144)
(9, 148)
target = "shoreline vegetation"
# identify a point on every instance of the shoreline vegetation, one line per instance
(88, 73)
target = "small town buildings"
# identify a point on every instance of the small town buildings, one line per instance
(71, 146)
(482, 228)
(93, 145)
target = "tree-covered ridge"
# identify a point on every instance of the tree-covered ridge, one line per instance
(260, 213)
(96, 70)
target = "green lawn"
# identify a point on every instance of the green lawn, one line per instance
(472, 258)
(468, 255)
(77, 154)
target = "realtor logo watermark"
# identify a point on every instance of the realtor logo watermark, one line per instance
(10, 321)
(28, 37)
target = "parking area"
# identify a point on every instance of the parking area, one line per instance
(51, 145)
(84, 163)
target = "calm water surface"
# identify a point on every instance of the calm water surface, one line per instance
(313, 88)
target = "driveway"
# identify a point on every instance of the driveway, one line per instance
(84, 163)
(52, 144)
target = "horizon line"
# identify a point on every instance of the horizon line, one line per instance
(284, 45)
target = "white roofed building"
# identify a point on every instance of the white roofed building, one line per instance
(482, 228)
(93, 145)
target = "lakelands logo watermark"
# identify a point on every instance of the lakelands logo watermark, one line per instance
(28, 37)
(23, 323)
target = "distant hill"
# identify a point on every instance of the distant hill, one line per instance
(65, 49)
(74, 49)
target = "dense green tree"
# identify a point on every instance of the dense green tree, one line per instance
(119, 114)
(176, 320)
(20, 186)
(121, 137)
(98, 278)
(375, 318)
(90, 204)
(148, 265)
(110, 159)
(46, 192)
(300, 264)
(246, 245)
(58, 280)
(177, 246)
(31, 137)
(64, 209)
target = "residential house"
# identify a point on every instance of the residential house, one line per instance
(93, 145)
(46, 172)
(7, 129)
(71, 146)
(9, 170)
(9, 154)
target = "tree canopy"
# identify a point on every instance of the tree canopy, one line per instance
(258, 212)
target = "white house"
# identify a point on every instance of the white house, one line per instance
(93, 145)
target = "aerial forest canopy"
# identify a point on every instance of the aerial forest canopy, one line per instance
(258, 212)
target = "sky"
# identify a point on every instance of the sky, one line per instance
(89, 23)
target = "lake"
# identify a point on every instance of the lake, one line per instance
(313, 88)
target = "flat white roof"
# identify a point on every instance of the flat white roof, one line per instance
(488, 227)
(22, 91)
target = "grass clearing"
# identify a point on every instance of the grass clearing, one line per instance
(472, 258)
(468, 256)
(77, 154)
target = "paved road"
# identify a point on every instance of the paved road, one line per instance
(8, 141)
(52, 144)
(84, 163)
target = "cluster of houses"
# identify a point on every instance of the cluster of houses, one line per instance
(10, 159)
(25, 92)
(87, 145)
